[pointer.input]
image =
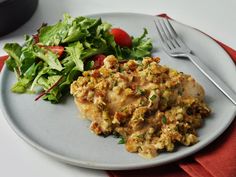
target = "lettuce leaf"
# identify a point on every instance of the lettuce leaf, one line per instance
(141, 46)
(21, 86)
(75, 52)
(53, 35)
(48, 56)
(14, 50)
(36, 65)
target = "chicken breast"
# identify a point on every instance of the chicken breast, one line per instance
(151, 106)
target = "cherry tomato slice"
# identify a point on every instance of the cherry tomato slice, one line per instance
(56, 49)
(121, 37)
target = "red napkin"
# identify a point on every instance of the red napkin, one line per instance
(216, 160)
(2, 59)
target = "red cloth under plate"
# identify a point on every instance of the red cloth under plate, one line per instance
(216, 160)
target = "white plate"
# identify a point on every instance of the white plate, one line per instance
(58, 131)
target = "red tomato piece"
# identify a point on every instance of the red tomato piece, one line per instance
(98, 60)
(56, 49)
(36, 38)
(121, 37)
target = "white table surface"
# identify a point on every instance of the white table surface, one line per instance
(214, 17)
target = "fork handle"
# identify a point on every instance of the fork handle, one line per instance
(214, 78)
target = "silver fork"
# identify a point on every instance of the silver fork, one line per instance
(174, 46)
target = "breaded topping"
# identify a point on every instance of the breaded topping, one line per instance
(152, 107)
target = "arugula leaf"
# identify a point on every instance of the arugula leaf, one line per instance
(48, 56)
(29, 42)
(82, 38)
(27, 59)
(103, 28)
(71, 76)
(43, 71)
(81, 28)
(141, 47)
(21, 86)
(136, 41)
(53, 35)
(75, 33)
(14, 50)
(75, 52)
(32, 71)
(11, 63)
(48, 83)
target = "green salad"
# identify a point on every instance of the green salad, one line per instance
(54, 57)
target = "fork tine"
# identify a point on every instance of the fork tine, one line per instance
(158, 31)
(161, 30)
(171, 29)
(174, 34)
(162, 34)
(171, 32)
(165, 29)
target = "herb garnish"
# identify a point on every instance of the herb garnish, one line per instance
(140, 91)
(153, 97)
(122, 140)
(164, 119)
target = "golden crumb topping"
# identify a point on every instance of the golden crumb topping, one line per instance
(152, 107)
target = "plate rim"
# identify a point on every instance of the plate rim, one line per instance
(102, 166)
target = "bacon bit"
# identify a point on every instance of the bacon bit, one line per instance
(82, 100)
(100, 93)
(132, 65)
(96, 128)
(133, 86)
(48, 90)
(120, 116)
(123, 77)
(95, 73)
